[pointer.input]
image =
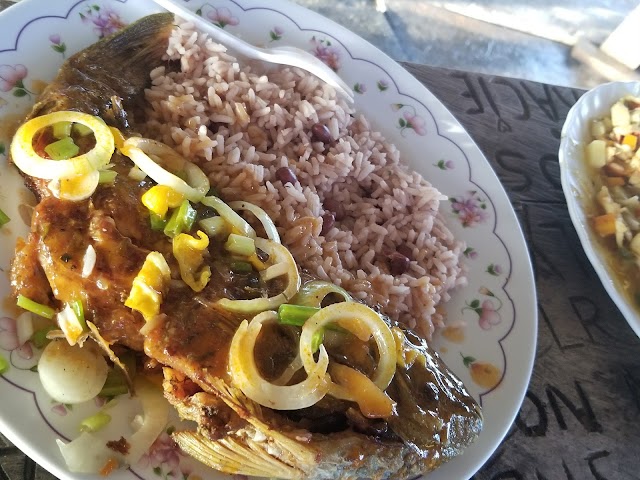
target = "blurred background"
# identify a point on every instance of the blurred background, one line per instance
(552, 41)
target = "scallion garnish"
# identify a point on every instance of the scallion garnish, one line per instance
(4, 218)
(157, 222)
(316, 340)
(181, 220)
(62, 129)
(95, 422)
(107, 176)
(4, 365)
(240, 245)
(241, 267)
(35, 307)
(295, 314)
(39, 337)
(81, 129)
(62, 149)
(78, 309)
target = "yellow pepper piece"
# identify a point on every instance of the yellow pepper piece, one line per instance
(118, 138)
(149, 285)
(189, 252)
(630, 140)
(160, 198)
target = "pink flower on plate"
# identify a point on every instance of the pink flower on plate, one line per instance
(324, 50)
(489, 315)
(9, 339)
(415, 122)
(165, 454)
(222, 17)
(11, 76)
(470, 208)
(105, 20)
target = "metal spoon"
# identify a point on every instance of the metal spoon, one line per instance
(287, 55)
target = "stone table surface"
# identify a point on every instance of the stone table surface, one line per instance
(581, 413)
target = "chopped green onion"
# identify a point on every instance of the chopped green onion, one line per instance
(4, 218)
(107, 176)
(116, 384)
(181, 220)
(95, 422)
(157, 222)
(316, 340)
(295, 314)
(215, 226)
(240, 245)
(78, 309)
(39, 337)
(62, 149)
(81, 129)
(35, 307)
(62, 129)
(241, 267)
(4, 365)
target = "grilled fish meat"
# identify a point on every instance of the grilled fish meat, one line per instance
(434, 417)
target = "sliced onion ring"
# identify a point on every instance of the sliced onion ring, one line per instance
(356, 318)
(139, 149)
(230, 216)
(267, 223)
(312, 293)
(277, 254)
(75, 188)
(27, 160)
(247, 378)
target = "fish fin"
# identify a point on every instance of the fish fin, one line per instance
(235, 455)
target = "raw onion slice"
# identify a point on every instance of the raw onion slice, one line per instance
(313, 293)
(230, 216)
(75, 188)
(247, 378)
(139, 150)
(88, 453)
(364, 323)
(267, 223)
(155, 415)
(277, 254)
(27, 160)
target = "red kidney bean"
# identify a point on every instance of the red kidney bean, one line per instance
(321, 133)
(405, 250)
(335, 207)
(328, 220)
(286, 175)
(398, 263)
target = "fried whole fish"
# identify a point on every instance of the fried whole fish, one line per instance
(434, 418)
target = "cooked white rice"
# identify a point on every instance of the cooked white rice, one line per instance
(241, 125)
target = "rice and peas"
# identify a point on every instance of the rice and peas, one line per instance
(346, 208)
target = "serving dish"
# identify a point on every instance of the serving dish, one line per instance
(491, 343)
(579, 188)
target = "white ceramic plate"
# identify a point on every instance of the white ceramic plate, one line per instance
(493, 354)
(579, 189)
